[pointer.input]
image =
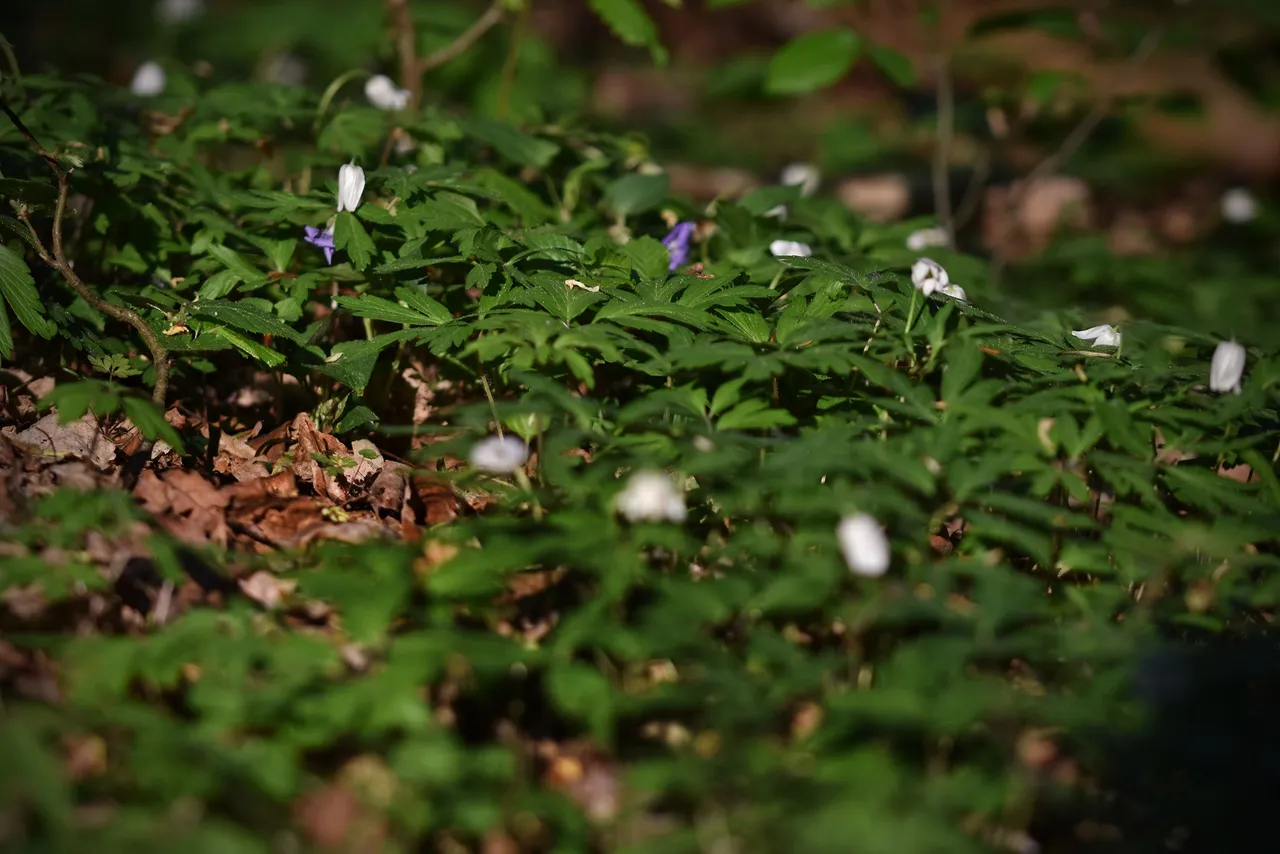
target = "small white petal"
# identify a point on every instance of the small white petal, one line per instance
(350, 187)
(179, 11)
(651, 496)
(776, 212)
(921, 240)
(802, 175)
(781, 248)
(1238, 205)
(954, 291)
(499, 455)
(1227, 368)
(1100, 336)
(148, 80)
(863, 545)
(929, 276)
(384, 94)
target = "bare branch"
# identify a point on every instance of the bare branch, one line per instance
(468, 37)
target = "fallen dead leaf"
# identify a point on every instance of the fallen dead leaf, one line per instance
(186, 505)
(266, 589)
(80, 439)
(309, 441)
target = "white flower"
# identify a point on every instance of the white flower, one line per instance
(928, 276)
(863, 545)
(1238, 205)
(779, 248)
(776, 212)
(384, 94)
(1227, 368)
(179, 11)
(350, 187)
(1101, 336)
(802, 175)
(499, 454)
(287, 69)
(651, 496)
(148, 80)
(954, 291)
(921, 240)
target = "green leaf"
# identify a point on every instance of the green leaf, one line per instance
(377, 308)
(896, 66)
(237, 264)
(512, 143)
(147, 417)
(249, 347)
(418, 299)
(350, 235)
(19, 290)
(246, 317)
(811, 61)
(631, 24)
(635, 193)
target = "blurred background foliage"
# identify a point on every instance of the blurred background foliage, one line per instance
(1179, 98)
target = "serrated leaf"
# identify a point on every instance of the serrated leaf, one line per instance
(350, 235)
(245, 317)
(811, 61)
(635, 193)
(249, 347)
(628, 20)
(377, 308)
(896, 66)
(418, 299)
(512, 143)
(19, 290)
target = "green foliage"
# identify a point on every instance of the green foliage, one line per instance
(749, 691)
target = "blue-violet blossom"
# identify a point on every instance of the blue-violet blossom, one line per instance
(322, 238)
(677, 243)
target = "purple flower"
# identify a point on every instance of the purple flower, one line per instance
(322, 238)
(677, 243)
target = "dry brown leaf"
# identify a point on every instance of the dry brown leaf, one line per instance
(266, 589)
(366, 467)
(308, 440)
(185, 504)
(80, 439)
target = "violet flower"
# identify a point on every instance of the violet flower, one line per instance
(677, 243)
(322, 238)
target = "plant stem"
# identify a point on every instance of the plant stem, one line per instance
(56, 258)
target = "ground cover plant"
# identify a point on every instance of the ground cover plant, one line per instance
(383, 476)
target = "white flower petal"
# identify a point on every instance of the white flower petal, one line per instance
(179, 11)
(499, 455)
(350, 187)
(781, 248)
(1227, 368)
(384, 94)
(928, 276)
(954, 291)
(148, 80)
(1100, 336)
(863, 544)
(1238, 205)
(651, 496)
(921, 240)
(802, 175)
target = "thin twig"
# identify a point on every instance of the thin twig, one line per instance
(469, 36)
(57, 259)
(1081, 132)
(942, 151)
(406, 40)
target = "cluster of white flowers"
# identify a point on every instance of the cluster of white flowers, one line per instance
(384, 94)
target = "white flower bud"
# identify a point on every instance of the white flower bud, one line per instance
(1227, 368)
(863, 545)
(1238, 205)
(148, 80)
(499, 455)
(779, 248)
(651, 496)
(802, 175)
(928, 276)
(350, 187)
(1100, 336)
(921, 240)
(384, 94)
